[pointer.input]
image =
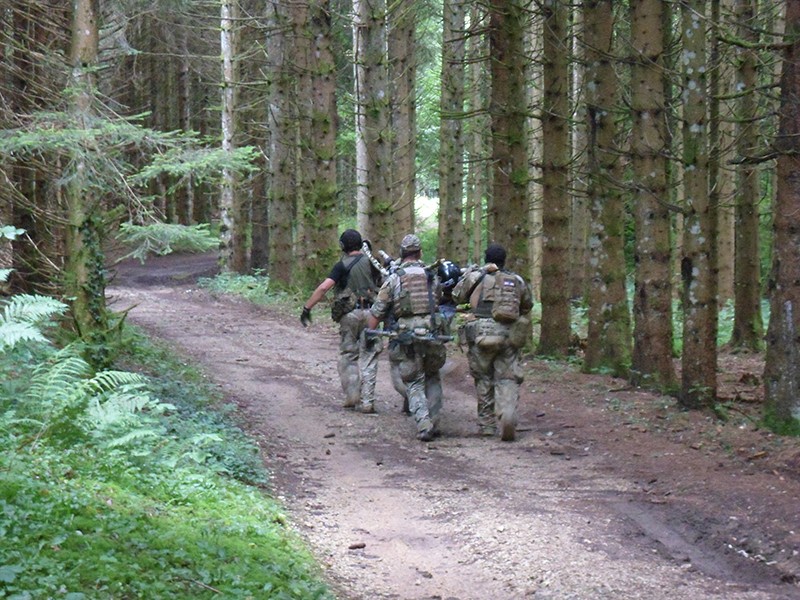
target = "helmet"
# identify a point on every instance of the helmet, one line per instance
(449, 274)
(350, 240)
(410, 243)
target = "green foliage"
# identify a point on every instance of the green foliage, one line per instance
(109, 493)
(255, 288)
(24, 316)
(781, 426)
(203, 164)
(164, 238)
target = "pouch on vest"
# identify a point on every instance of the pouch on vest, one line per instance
(489, 335)
(507, 297)
(344, 303)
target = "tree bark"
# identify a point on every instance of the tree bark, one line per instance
(402, 75)
(699, 262)
(608, 344)
(652, 303)
(373, 131)
(282, 144)
(84, 268)
(321, 217)
(748, 327)
(508, 211)
(233, 218)
(782, 368)
(452, 235)
(555, 331)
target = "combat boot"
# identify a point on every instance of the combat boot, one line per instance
(426, 435)
(508, 428)
(425, 430)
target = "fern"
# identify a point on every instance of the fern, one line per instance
(4, 273)
(12, 334)
(56, 381)
(23, 316)
(29, 308)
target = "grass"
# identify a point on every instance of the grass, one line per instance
(182, 514)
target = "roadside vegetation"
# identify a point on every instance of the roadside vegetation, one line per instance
(130, 483)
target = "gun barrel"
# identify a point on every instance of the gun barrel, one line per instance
(413, 334)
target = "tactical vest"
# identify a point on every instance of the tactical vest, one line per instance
(360, 282)
(413, 298)
(500, 294)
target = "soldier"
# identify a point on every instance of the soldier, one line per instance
(499, 301)
(409, 295)
(356, 284)
(448, 273)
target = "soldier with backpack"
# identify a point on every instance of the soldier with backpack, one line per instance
(495, 334)
(356, 282)
(410, 296)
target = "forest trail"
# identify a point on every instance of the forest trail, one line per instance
(609, 492)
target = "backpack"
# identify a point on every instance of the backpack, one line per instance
(504, 290)
(413, 298)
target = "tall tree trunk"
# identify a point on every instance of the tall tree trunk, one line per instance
(535, 77)
(748, 328)
(373, 131)
(652, 303)
(233, 220)
(184, 196)
(608, 344)
(281, 132)
(579, 221)
(509, 207)
(699, 262)
(452, 235)
(477, 164)
(402, 75)
(555, 332)
(321, 216)
(782, 368)
(84, 269)
(721, 142)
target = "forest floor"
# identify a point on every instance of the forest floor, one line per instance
(610, 492)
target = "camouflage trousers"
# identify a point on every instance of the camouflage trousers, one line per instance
(417, 365)
(358, 360)
(495, 367)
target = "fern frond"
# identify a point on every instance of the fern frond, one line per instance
(29, 308)
(118, 407)
(130, 437)
(12, 334)
(105, 381)
(4, 273)
(56, 381)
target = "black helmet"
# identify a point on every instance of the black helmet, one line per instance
(350, 240)
(449, 274)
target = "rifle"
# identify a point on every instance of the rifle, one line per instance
(408, 336)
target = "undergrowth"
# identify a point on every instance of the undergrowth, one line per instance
(132, 485)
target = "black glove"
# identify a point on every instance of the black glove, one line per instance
(305, 316)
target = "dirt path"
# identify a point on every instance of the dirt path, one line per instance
(608, 493)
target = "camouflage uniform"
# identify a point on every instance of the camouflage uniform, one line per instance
(416, 361)
(354, 280)
(358, 360)
(493, 351)
(358, 356)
